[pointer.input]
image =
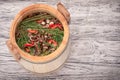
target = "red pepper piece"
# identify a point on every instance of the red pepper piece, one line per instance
(53, 26)
(51, 41)
(60, 27)
(29, 44)
(32, 31)
(39, 21)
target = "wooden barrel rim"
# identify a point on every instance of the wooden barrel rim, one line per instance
(51, 10)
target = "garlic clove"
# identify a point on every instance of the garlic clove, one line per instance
(51, 23)
(43, 23)
(47, 21)
(46, 36)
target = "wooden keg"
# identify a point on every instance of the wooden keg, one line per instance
(48, 63)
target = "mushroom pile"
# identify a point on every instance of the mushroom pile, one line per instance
(41, 42)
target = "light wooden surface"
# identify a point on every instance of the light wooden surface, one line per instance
(95, 37)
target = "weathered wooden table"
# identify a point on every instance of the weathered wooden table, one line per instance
(95, 38)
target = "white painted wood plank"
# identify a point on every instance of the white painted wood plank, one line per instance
(95, 37)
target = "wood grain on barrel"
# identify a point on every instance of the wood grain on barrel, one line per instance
(95, 38)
